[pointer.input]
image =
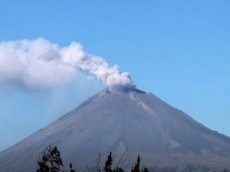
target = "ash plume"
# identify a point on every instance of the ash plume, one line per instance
(40, 64)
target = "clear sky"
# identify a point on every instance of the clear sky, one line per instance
(178, 50)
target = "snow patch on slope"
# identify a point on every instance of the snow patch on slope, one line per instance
(142, 104)
(174, 144)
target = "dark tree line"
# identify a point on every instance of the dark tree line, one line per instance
(50, 161)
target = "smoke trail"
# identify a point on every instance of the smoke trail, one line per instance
(40, 64)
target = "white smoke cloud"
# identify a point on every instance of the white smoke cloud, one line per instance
(39, 64)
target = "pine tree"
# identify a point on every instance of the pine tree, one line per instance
(136, 167)
(50, 160)
(108, 163)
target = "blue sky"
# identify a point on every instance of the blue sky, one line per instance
(179, 50)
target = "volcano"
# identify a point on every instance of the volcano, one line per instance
(127, 122)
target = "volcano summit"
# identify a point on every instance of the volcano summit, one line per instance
(123, 121)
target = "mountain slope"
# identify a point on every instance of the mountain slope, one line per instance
(126, 121)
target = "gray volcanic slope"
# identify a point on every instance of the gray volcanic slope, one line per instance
(129, 122)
